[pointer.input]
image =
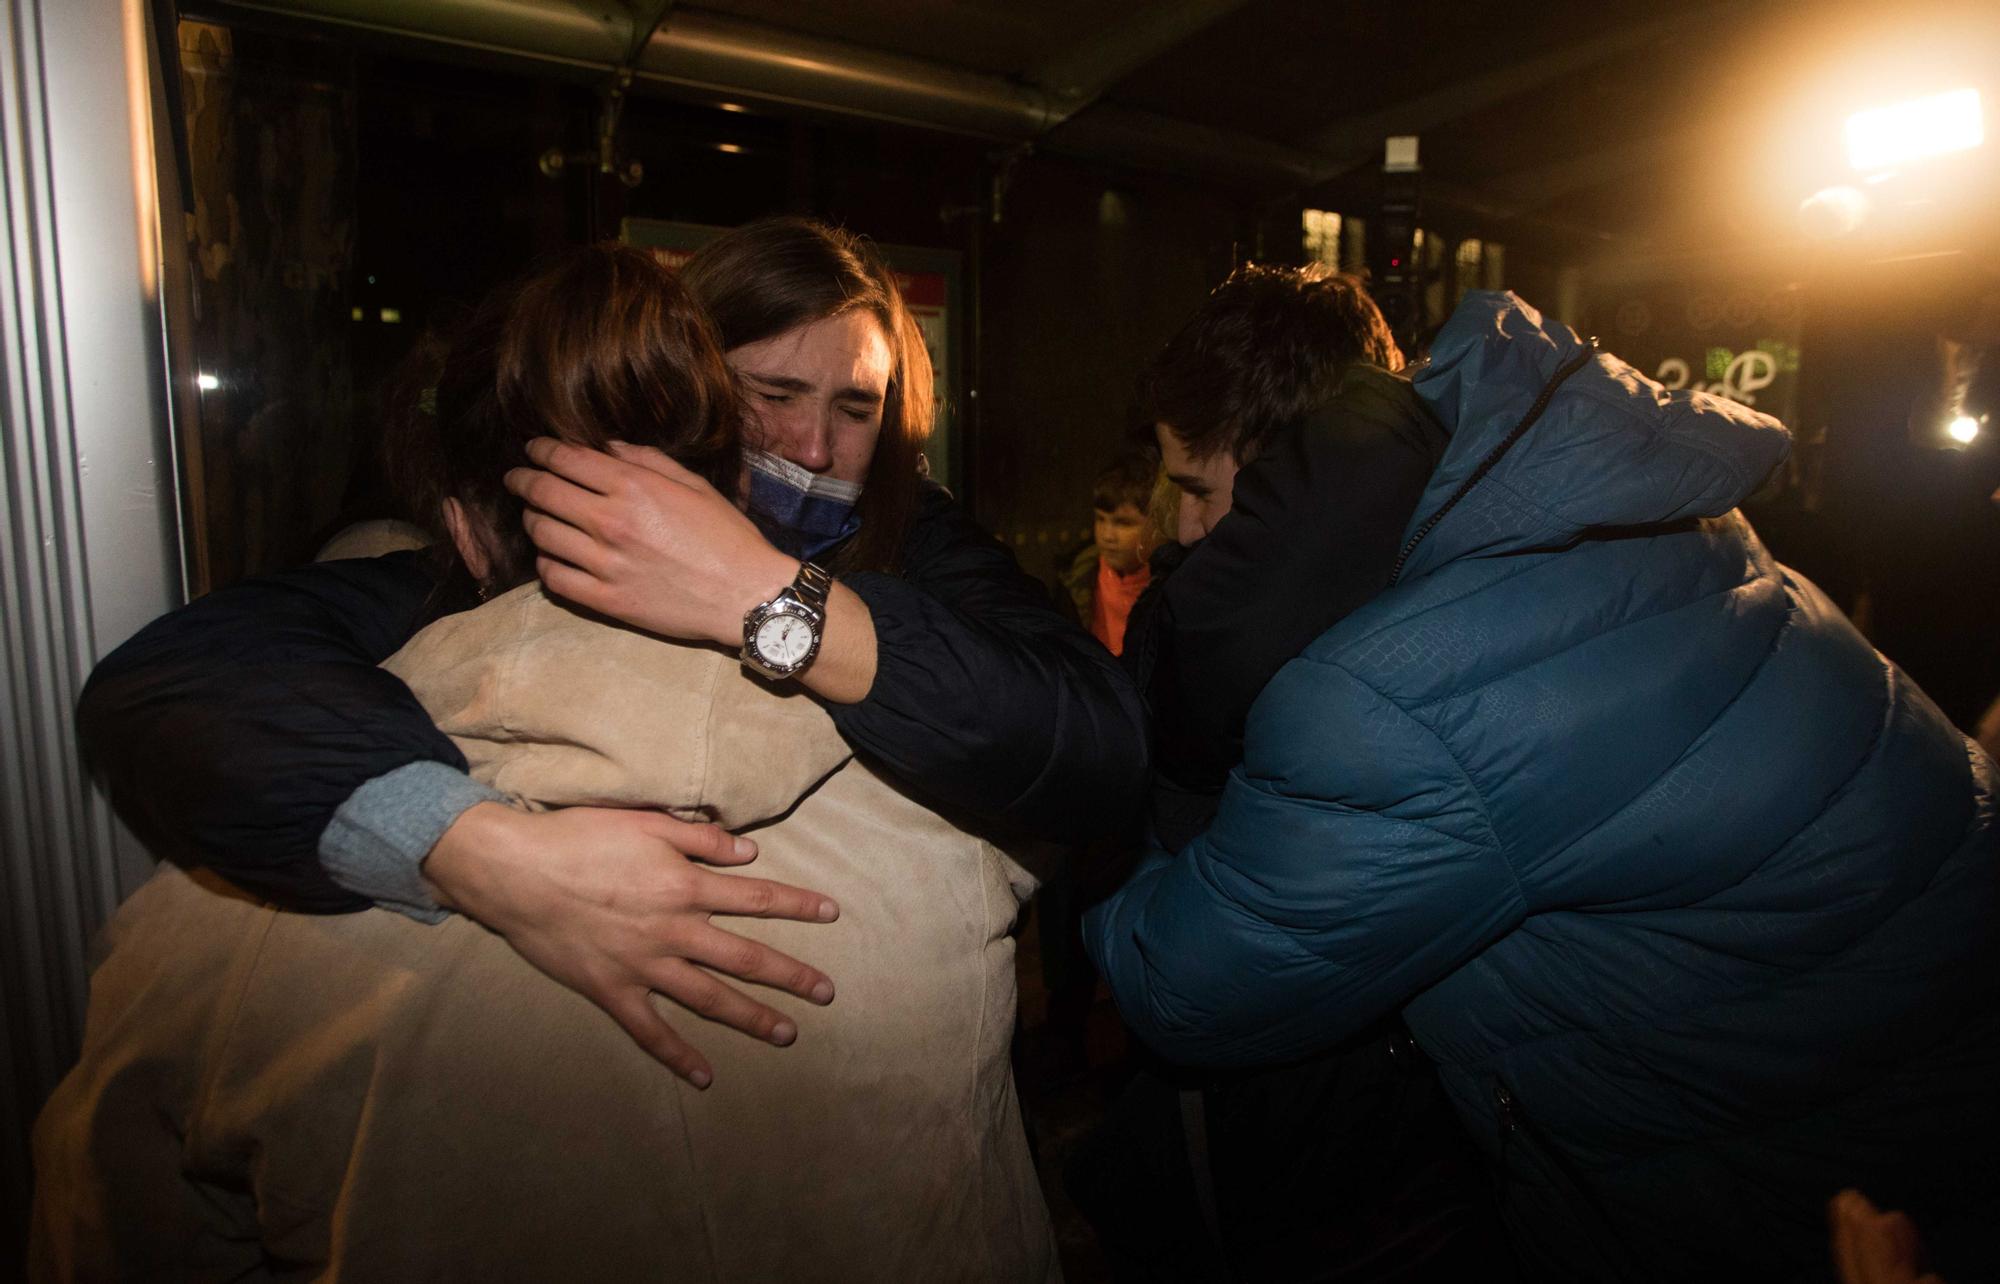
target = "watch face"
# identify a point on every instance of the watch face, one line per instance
(784, 640)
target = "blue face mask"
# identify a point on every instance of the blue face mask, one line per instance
(802, 513)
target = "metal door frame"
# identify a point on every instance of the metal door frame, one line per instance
(90, 528)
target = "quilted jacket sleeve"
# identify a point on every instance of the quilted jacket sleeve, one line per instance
(1352, 865)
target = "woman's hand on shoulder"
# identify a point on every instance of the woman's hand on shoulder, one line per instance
(635, 536)
(612, 904)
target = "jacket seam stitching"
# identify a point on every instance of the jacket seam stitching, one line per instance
(1494, 842)
(1622, 625)
(1706, 1140)
(1777, 639)
(1403, 622)
(1757, 986)
(1661, 431)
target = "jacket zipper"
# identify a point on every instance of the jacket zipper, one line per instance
(1514, 1122)
(1569, 368)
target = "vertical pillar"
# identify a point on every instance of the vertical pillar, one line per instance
(89, 520)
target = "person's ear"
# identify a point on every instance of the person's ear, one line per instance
(471, 548)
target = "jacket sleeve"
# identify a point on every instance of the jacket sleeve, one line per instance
(985, 699)
(228, 732)
(1351, 866)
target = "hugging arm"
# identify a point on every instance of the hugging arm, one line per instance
(983, 698)
(229, 733)
(956, 674)
(252, 732)
(1349, 868)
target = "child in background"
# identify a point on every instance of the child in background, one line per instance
(1111, 572)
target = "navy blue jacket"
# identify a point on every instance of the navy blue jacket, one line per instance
(1693, 897)
(230, 731)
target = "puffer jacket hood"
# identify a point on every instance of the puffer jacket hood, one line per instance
(1613, 450)
(1693, 897)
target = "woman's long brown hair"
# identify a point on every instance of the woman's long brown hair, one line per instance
(602, 343)
(776, 274)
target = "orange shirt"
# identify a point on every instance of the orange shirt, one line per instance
(1111, 604)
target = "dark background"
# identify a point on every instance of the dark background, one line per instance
(1635, 169)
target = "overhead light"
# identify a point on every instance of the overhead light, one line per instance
(735, 107)
(733, 149)
(1963, 429)
(207, 382)
(1885, 137)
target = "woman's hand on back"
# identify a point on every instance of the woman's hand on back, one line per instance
(635, 536)
(609, 903)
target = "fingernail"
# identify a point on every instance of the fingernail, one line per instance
(783, 1033)
(828, 911)
(701, 1078)
(823, 992)
(745, 848)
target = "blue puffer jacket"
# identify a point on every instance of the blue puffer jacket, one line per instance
(1693, 897)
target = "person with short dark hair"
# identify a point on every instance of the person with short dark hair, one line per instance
(1285, 380)
(1267, 349)
(1300, 464)
(1107, 575)
(1692, 896)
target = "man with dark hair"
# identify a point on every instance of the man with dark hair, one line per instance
(1277, 403)
(1280, 396)
(1266, 350)
(1692, 897)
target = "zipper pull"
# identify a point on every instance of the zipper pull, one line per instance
(1510, 1124)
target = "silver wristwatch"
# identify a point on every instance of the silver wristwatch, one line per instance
(781, 636)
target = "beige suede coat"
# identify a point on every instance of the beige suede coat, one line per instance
(362, 1097)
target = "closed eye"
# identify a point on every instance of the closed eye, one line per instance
(774, 388)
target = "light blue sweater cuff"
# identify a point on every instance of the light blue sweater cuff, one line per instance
(376, 843)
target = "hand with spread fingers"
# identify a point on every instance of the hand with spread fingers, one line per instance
(635, 536)
(625, 912)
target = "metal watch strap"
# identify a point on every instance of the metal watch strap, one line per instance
(804, 599)
(812, 584)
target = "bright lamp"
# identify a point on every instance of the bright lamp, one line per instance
(1885, 137)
